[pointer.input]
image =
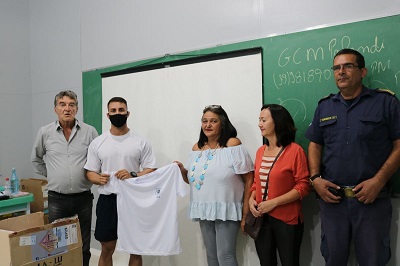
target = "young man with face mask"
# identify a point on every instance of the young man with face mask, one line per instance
(121, 151)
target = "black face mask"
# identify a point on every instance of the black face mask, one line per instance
(118, 120)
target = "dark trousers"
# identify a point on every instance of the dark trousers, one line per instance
(67, 205)
(276, 235)
(367, 225)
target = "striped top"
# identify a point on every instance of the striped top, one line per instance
(290, 172)
(266, 164)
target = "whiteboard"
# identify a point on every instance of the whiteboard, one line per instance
(166, 107)
(166, 104)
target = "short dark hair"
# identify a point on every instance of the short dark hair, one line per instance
(359, 57)
(285, 129)
(227, 129)
(117, 100)
(67, 93)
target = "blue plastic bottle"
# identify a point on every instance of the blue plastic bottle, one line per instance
(14, 182)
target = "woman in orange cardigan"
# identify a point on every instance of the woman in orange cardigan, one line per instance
(286, 185)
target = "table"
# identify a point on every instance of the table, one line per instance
(16, 204)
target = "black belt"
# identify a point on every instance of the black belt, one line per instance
(70, 195)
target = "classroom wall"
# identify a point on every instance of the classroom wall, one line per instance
(46, 44)
(15, 89)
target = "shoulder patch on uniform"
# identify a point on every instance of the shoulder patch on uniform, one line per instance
(386, 90)
(326, 97)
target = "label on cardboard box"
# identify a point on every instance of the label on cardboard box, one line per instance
(51, 242)
(27, 240)
(66, 235)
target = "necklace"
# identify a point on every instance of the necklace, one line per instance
(210, 156)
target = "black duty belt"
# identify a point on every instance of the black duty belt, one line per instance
(347, 192)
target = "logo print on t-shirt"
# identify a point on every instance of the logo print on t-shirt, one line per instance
(158, 192)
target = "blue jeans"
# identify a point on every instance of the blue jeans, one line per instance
(67, 205)
(220, 241)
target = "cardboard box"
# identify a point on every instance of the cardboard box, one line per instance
(26, 241)
(46, 219)
(40, 193)
(13, 214)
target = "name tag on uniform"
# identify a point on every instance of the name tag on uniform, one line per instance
(324, 119)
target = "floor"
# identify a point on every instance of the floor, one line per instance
(119, 259)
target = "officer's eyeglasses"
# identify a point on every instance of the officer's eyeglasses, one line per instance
(346, 67)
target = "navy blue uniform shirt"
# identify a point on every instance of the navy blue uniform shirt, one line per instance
(358, 138)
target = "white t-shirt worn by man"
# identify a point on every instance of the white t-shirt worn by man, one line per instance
(109, 153)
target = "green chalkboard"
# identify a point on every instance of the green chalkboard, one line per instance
(296, 67)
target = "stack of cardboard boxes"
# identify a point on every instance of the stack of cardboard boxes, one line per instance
(40, 193)
(27, 241)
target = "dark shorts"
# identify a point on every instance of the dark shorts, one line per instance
(107, 218)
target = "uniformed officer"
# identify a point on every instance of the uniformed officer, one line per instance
(354, 150)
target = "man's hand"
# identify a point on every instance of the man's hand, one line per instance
(321, 187)
(122, 174)
(103, 178)
(368, 190)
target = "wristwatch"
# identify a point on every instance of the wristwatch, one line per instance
(133, 174)
(311, 179)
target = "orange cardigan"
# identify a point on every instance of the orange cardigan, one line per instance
(290, 171)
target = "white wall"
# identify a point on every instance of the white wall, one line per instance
(46, 44)
(55, 48)
(115, 32)
(15, 88)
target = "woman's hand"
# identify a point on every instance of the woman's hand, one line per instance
(184, 172)
(267, 206)
(254, 206)
(242, 222)
(180, 165)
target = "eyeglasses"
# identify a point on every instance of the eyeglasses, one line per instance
(347, 66)
(213, 106)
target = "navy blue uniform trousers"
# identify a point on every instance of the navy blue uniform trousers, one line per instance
(367, 225)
